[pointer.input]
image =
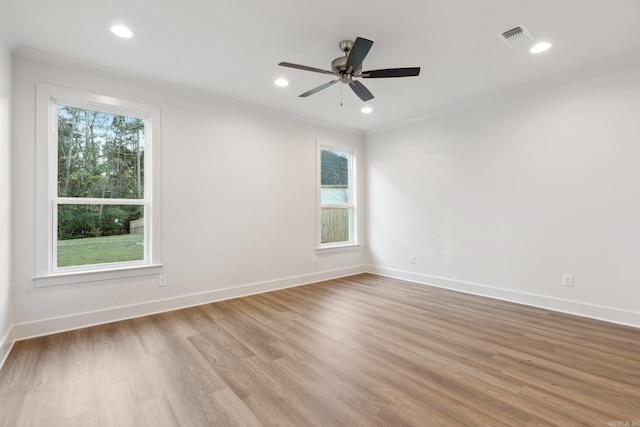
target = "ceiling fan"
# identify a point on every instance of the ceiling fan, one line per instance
(349, 66)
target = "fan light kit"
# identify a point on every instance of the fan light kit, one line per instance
(349, 66)
(282, 82)
(366, 110)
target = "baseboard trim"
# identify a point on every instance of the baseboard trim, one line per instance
(82, 320)
(607, 314)
(6, 344)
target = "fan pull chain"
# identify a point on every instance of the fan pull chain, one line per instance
(341, 95)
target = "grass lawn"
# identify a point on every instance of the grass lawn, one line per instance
(100, 250)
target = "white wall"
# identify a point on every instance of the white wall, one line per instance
(238, 203)
(504, 199)
(5, 200)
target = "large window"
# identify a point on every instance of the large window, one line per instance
(99, 198)
(96, 195)
(337, 195)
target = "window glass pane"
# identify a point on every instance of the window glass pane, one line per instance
(334, 177)
(100, 155)
(99, 234)
(334, 195)
(334, 225)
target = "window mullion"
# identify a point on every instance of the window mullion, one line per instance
(97, 201)
(337, 206)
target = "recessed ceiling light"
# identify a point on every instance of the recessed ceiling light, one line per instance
(122, 31)
(366, 110)
(540, 47)
(282, 82)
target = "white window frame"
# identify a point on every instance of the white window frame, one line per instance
(47, 200)
(353, 242)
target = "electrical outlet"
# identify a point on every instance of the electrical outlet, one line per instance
(412, 259)
(315, 259)
(162, 280)
(567, 280)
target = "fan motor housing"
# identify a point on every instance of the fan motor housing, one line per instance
(339, 65)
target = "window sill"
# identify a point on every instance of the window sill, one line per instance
(338, 248)
(58, 279)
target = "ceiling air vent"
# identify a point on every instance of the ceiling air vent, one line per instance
(516, 36)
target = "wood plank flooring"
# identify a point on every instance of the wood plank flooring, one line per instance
(359, 351)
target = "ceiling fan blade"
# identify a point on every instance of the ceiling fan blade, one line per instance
(304, 67)
(391, 72)
(319, 88)
(359, 89)
(358, 52)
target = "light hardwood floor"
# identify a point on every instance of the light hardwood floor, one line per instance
(359, 351)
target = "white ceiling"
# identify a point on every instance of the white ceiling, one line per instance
(233, 48)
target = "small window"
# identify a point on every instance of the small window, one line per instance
(337, 196)
(96, 184)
